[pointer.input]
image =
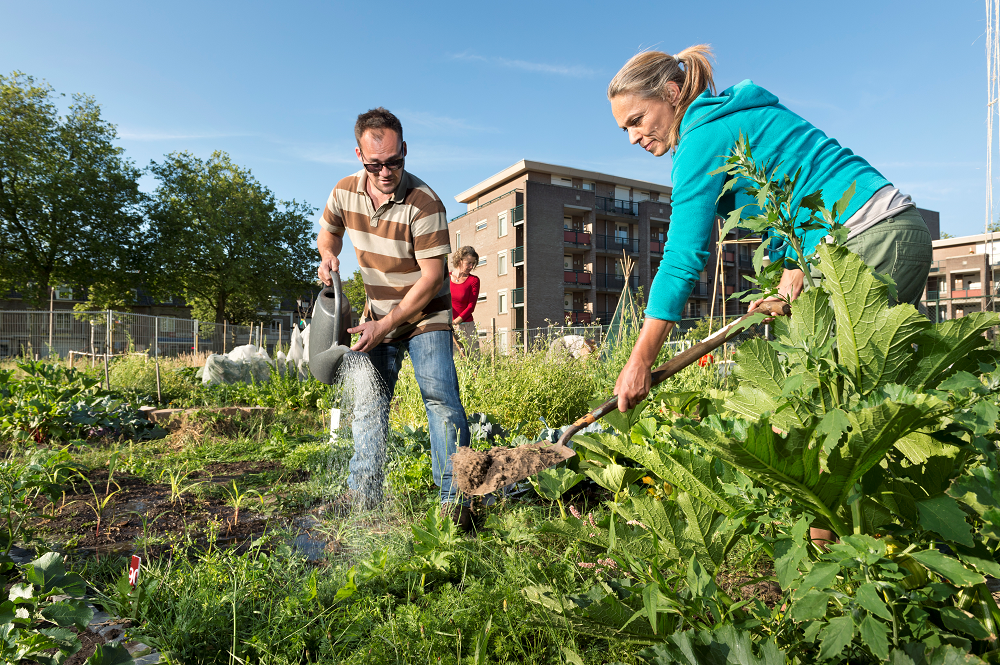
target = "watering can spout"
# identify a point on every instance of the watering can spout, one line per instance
(329, 339)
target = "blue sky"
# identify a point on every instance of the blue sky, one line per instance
(480, 86)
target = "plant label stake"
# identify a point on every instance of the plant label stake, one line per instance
(133, 570)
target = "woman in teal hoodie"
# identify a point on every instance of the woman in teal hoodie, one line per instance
(668, 102)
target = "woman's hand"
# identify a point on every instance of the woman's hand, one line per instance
(633, 384)
(635, 380)
(789, 288)
(457, 320)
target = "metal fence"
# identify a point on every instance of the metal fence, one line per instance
(48, 334)
(506, 340)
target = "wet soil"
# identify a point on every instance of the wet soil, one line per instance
(483, 471)
(142, 516)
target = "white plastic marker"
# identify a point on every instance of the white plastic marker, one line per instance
(334, 423)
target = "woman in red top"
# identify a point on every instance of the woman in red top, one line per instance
(464, 293)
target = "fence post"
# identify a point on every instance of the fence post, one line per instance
(493, 334)
(52, 305)
(279, 337)
(109, 336)
(196, 336)
(93, 351)
(225, 336)
(156, 337)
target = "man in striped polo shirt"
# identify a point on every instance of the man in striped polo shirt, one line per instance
(399, 230)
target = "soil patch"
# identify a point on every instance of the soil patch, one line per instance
(735, 584)
(481, 472)
(142, 516)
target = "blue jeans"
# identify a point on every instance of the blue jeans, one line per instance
(431, 353)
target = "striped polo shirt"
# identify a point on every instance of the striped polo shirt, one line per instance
(411, 225)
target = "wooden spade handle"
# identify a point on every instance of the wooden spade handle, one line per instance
(679, 362)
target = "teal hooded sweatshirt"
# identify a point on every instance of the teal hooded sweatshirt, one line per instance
(708, 131)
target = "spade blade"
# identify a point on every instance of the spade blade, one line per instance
(483, 471)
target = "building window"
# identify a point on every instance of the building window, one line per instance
(481, 299)
(502, 224)
(482, 260)
(562, 182)
(589, 186)
(502, 301)
(502, 263)
(568, 223)
(567, 262)
(503, 340)
(481, 225)
(458, 239)
(167, 325)
(63, 323)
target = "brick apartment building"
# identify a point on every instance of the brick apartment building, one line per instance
(964, 277)
(550, 239)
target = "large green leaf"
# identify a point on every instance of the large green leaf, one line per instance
(791, 463)
(809, 326)
(948, 567)
(685, 527)
(552, 483)
(726, 645)
(874, 341)
(948, 347)
(943, 515)
(684, 470)
(761, 384)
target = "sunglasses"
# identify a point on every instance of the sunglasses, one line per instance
(394, 165)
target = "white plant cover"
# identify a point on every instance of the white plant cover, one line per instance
(243, 364)
(295, 349)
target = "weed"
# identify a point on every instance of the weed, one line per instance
(178, 486)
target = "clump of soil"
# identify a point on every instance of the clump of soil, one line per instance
(484, 471)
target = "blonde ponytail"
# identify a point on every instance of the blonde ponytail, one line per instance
(647, 74)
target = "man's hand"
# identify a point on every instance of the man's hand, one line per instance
(329, 246)
(633, 384)
(330, 264)
(372, 334)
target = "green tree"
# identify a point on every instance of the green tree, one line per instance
(221, 237)
(70, 205)
(354, 290)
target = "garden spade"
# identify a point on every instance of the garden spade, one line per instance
(483, 471)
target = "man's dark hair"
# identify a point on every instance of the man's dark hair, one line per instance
(375, 121)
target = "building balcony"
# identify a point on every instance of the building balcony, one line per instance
(615, 282)
(616, 244)
(728, 258)
(578, 316)
(656, 246)
(616, 206)
(604, 316)
(577, 277)
(572, 237)
(517, 215)
(933, 295)
(517, 256)
(517, 297)
(966, 293)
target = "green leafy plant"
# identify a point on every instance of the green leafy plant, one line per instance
(235, 497)
(178, 485)
(552, 483)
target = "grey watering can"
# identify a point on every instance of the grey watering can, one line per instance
(328, 336)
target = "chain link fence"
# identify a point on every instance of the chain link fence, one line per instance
(50, 334)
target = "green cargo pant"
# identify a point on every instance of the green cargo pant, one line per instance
(900, 247)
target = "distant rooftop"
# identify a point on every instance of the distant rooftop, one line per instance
(967, 240)
(523, 166)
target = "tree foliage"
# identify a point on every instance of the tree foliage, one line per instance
(222, 239)
(354, 290)
(70, 205)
